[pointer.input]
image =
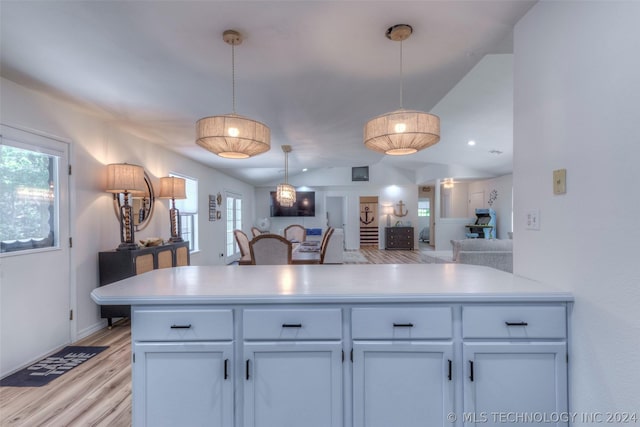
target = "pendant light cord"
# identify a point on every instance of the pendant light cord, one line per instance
(401, 77)
(233, 77)
(286, 168)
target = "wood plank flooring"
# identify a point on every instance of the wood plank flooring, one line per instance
(98, 392)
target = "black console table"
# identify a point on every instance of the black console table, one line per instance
(117, 265)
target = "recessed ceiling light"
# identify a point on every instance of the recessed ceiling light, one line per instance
(471, 143)
(304, 170)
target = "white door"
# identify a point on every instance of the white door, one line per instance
(35, 257)
(515, 378)
(408, 384)
(182, 384)
(335, 211)
(293, 384)
(234, 222)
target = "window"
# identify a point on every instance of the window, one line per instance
(423, 208)
(189, 212)
(28, 198)
(234, 221)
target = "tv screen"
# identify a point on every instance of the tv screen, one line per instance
(305, 205)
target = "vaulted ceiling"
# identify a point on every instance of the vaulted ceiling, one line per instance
(313, 71)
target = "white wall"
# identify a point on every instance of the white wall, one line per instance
(388, 183)
(95, 143)
(577, 92)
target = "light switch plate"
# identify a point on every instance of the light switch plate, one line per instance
(533, 219)
(560, 181)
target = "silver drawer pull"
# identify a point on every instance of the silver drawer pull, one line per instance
(516, 323)
(403, 325)
(181, 326)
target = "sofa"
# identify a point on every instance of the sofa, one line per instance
(495, 253)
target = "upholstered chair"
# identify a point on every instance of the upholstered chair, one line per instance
(325, 243)
(325, 236)
(243, 244)
(270, 249)
(255, 231)
(295, 233)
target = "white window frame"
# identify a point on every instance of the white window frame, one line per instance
(189, 210)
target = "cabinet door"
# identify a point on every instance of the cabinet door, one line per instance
(293, 384)
(402, 384)
(182, 384)
(504, 381)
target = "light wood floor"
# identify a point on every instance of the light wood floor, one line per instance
(98, 392)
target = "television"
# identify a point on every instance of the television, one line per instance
(305, 205)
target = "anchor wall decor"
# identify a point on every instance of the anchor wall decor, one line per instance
(400, 204)
(369, 216)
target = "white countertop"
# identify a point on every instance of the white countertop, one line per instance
(353, 283)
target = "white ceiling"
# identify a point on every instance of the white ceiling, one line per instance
(313, 71)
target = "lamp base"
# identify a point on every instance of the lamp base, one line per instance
(127, 246)
(177, 239)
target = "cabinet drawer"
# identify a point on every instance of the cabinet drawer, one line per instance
(402, 323)
(514, 322)
(193, 324)
(292, 324)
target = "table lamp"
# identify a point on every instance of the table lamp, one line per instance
(173, 188)
(125, 179)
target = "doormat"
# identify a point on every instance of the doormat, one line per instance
(51, 367)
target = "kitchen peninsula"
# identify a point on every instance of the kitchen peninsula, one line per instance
(344, 345)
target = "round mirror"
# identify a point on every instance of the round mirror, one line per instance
(142, 205)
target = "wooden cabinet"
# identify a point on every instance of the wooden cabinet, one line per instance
(398, 238)
(117, 265)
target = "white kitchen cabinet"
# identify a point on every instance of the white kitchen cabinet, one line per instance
(402, 383)
(293, 367)
(289, 384)
(523, 384)
(183, 361)
(182, 384)
(264, 346)
(515, 359)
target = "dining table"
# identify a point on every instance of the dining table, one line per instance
(307, 252)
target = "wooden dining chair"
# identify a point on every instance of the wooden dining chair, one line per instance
(270, 249)
(255, 231)
(295, 233)
(325, 244)
(325, 236)
(243, 243)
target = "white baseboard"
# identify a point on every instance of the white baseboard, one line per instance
(90, 330)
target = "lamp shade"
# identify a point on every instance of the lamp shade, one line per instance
(286, 195)
(233, 136)
(125, 178)
(172, 187)
(402, 132)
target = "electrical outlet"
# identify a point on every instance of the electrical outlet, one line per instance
(533, 219)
